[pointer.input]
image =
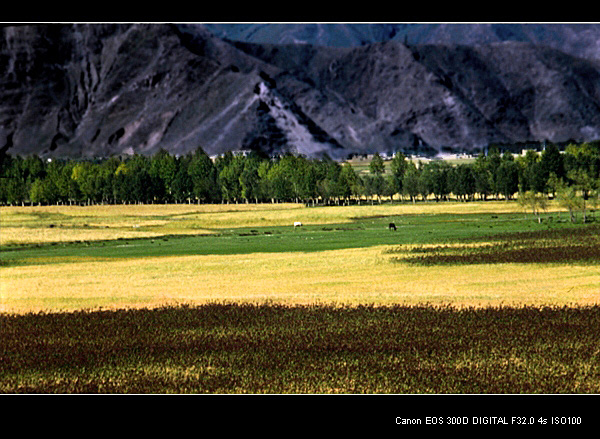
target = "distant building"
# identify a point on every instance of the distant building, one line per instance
(524, 152)
(243, 152)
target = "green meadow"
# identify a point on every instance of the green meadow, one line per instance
(235, 230)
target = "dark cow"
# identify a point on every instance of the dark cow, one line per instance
(392, 226)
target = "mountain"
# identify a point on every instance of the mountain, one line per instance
(446, 95)
(581, 40)
(97, 90)
(94, 90)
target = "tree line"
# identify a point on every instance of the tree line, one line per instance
(572, 176)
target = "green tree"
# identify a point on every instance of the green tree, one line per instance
(162, 172)
(6, 171)
(67, 186)
(61, 175)
(507, 176)
(378, 185)
(36, 192)
(141, 185)
(410, 181)
(348, 181)
(424, 184)
(264, 185)
(326, 188)
(494, 159)
(398, 167)
(369, 187)
(250, 180)
(294, 167)
(54, 174)
(229, 179)
(377, 166)
(534, 201)
(527, 164)
(585, 156)
(585, 183)
(553, 183)
(464, 181)
(328, 179)
(204, 175)
(309, 179)
(43, 190)
(567, 198)
(182, 185)
(390, 187)
(437, 175)
(87, 177)
(551, 161)
(33, 168)
(280, 182)
(483, 176)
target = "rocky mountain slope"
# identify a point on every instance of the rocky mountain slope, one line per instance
(87, 90)
(577, 39)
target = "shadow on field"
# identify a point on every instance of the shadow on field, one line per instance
(230, 348)
(541, 246)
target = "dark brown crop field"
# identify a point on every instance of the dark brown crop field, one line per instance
(541, 246)
(234, 348)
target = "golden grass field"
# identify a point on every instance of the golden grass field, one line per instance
(347, 276)
(352, 276)
(93, 223)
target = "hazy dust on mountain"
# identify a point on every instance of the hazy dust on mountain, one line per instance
(577, 39)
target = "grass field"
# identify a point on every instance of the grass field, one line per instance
(110, 299)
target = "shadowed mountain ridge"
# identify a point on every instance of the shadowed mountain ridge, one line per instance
(87, 90)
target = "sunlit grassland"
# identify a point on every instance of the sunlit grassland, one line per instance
(462, 298)
(39, 224)
(354, 261)
(350, 276)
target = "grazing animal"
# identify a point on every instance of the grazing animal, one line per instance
(392, 226)
(297, 224)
